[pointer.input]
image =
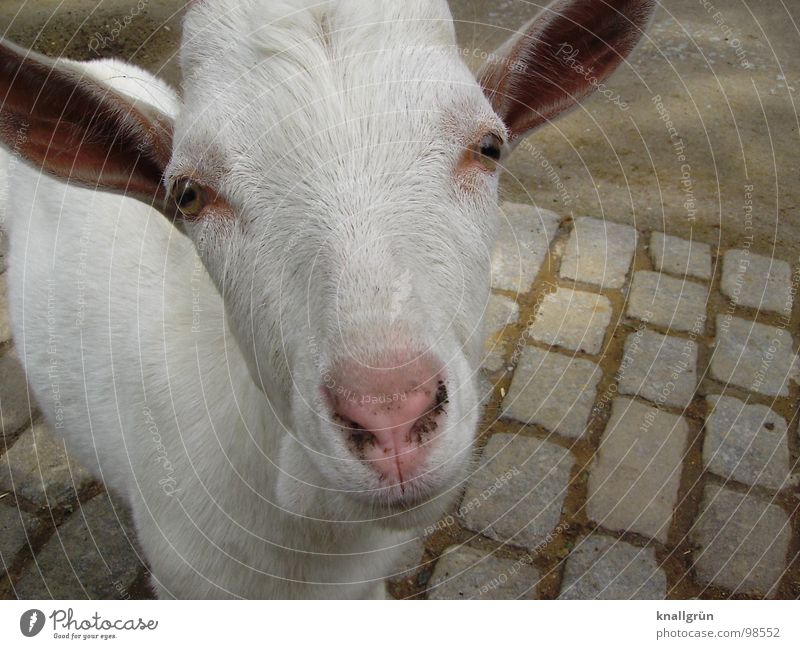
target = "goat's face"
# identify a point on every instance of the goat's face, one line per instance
(337, 168)
(351, 182)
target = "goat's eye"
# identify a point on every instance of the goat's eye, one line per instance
(491, 147)
(189, 196)
(489, 150)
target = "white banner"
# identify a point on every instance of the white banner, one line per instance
(400, 624)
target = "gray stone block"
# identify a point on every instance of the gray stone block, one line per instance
(518, 491)
(500, 312)
(465, 573)
(572, 319)
(756, 281)
(680, 256)
(15, 527)
(674, 304)
(633, 483)
(524, 239)
(661, 369)
(37, 468)
(553, 391)
(757, 357)
(599, 252)
(742, 540)
(91, 556)
(16, 411)
(604, 568)
(5, 322)
(3, 237)
(747, 443)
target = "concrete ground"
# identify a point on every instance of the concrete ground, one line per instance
(642, 437)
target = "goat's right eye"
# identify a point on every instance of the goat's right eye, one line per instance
(189, 196)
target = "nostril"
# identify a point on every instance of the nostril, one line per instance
(429, 421)
(441, 394)
(348, 423)
(357, 436)
(360, 439)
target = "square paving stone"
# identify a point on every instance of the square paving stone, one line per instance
(659, 368)
(5, 322)
(633, 483)
(465, 573)
(500, 312)
(604, 568)
(91, 556)
(16, 411)
(572, 319)
(599, 252)
(525, 235)
(756, 281)
(3, 236)
(748, 443)
(680, 256)
(742, 541)
(668, 302)
(15, 527)
(517, 493)
(553, 391)
(756, 357)
(38, 469)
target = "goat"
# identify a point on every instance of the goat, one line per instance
(281, 376)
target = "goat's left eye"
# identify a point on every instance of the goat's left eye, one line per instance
(491, 147)
(488, 151)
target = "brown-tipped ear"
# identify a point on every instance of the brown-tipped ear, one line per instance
(77, 129)
(560, 57)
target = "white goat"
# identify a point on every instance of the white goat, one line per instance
(281, 377)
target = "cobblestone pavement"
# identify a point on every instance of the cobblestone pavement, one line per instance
(640, 440)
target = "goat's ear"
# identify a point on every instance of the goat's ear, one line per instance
(560, 57)
(79, 130)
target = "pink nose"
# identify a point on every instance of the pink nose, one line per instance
(388, 416)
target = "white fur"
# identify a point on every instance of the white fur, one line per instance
(185, 369)
(238, 491)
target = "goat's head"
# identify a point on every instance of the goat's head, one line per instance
(337, 167)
